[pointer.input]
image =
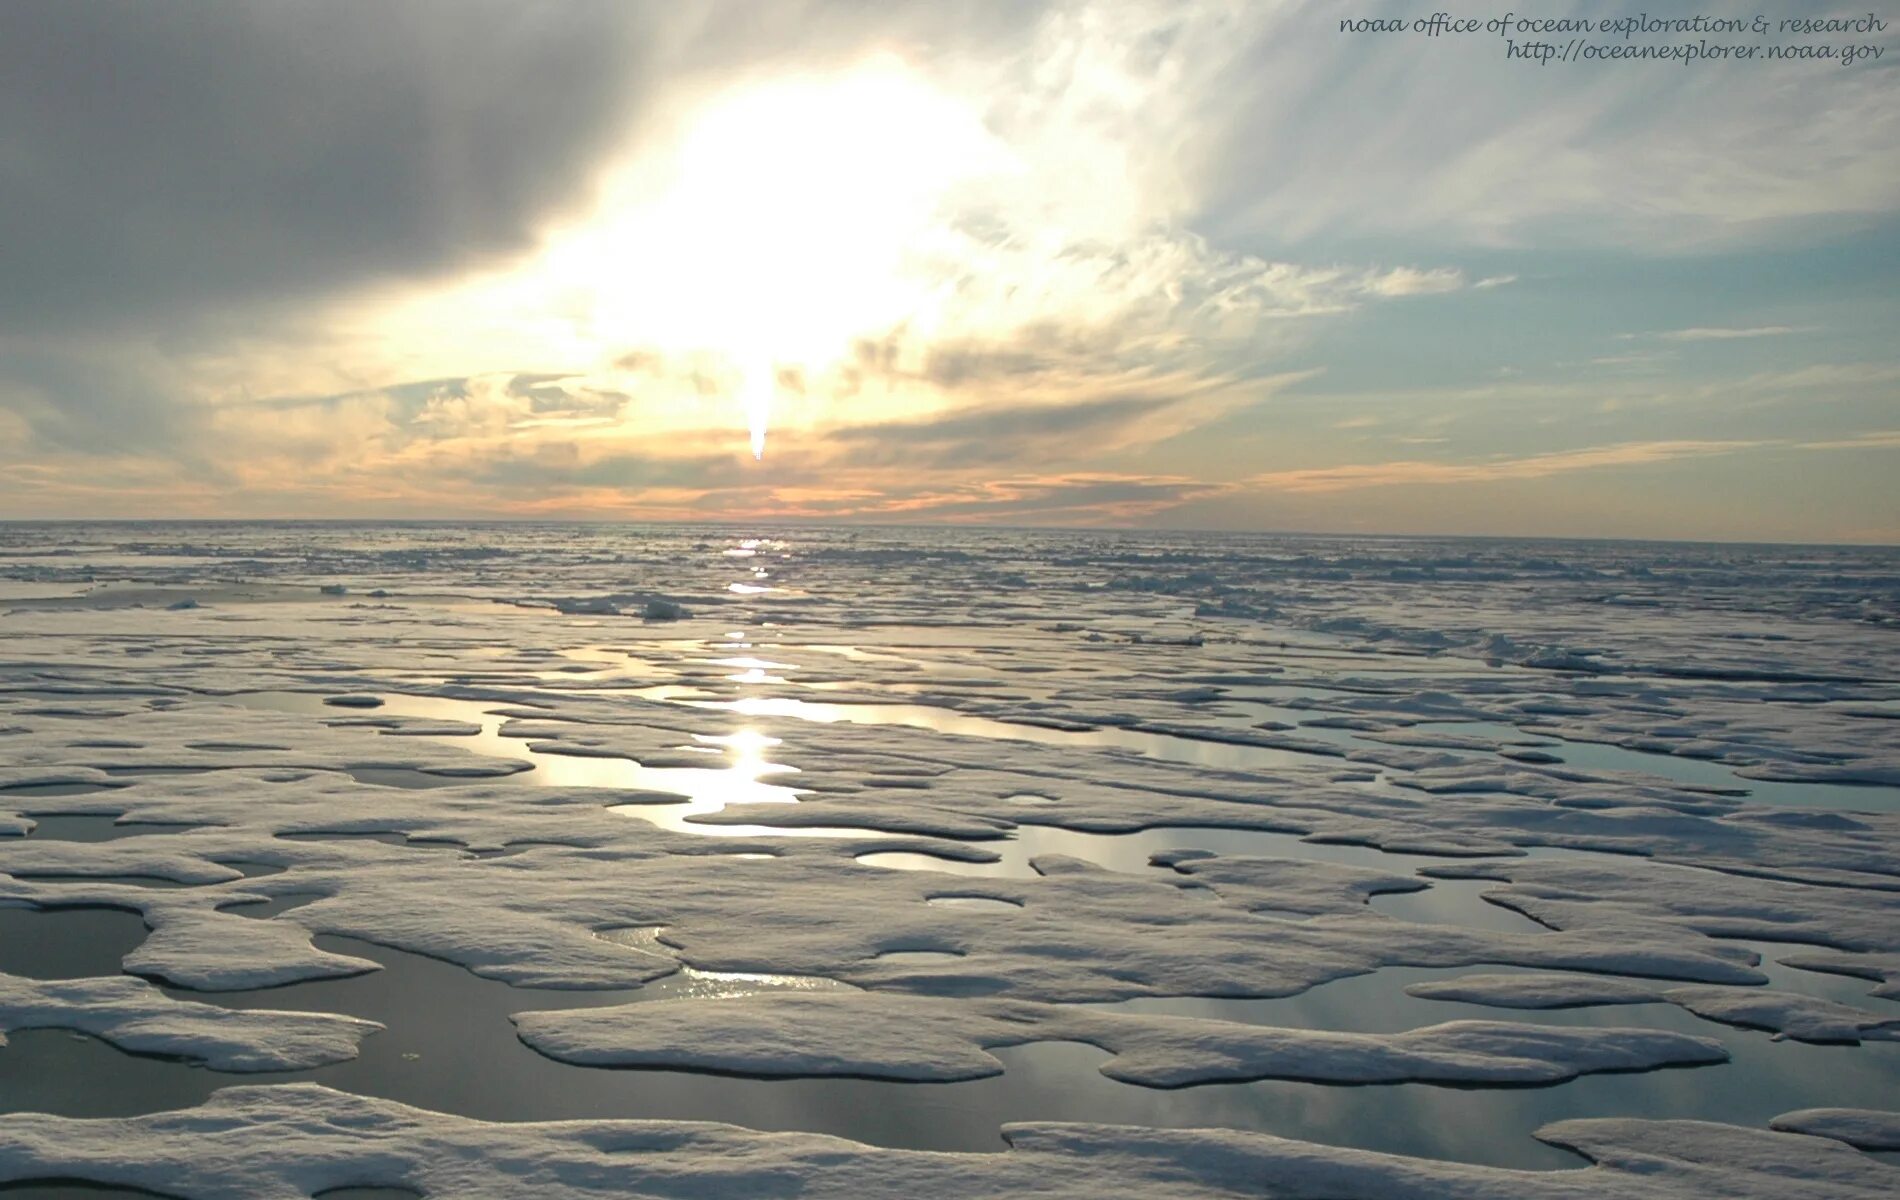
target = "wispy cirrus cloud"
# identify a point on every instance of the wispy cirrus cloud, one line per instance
(1407, 472)
(1534, 466)
(1879, 439)
(1719, 334)
(1079, 498)
(1483, 152)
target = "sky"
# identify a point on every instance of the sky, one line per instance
(1181, 265)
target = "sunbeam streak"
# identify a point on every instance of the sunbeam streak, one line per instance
(756, 393)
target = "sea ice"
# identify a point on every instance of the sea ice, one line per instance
(289, 1142)
(137, 1017)
(1856, 1126)
(495, 766)
(909, 1037)
(1790, 1014)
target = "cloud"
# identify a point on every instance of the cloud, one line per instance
(1313, 135)
(274, 201)
(1646, 359)
(1823, 376)
(1880, 439)
(1410, 281)
(989, 437)
(171, 157)
(754, 227)
(1721, 334)
(1050, 261)
(1081, 498)
(562, 468)
(1536, 466)
(96, 405)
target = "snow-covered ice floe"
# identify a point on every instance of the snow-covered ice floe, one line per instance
(1130, 851)
(287, 1143)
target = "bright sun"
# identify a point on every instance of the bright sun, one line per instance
(788, 219)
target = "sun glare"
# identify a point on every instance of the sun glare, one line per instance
(757, 386)
(779, 227)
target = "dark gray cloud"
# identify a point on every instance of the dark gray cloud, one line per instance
(1025, 501)
(116, 412)
(158, 159)
(988, 437)
(162, 158)
(559, 468)
(1042, 350)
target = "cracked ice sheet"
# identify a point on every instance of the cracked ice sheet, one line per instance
(213, 735)
(1884, 969)
(906, 1037)
(287, 1142)
(137, 1017)
(1818, 739)
(1602, 830)
(517, 935)
(1080, 933)
(531, 917)
(285, 806)
(1805, 1018)
(1860, 1127)
(1472, 808)
(1037, 639)
(1578, 895)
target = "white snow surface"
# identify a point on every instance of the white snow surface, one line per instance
(1864, 1128)
(908, 1037)
(135, 1016)
(1792, 1014)
(287, 1142)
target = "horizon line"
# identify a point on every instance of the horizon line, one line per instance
(812, 523)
